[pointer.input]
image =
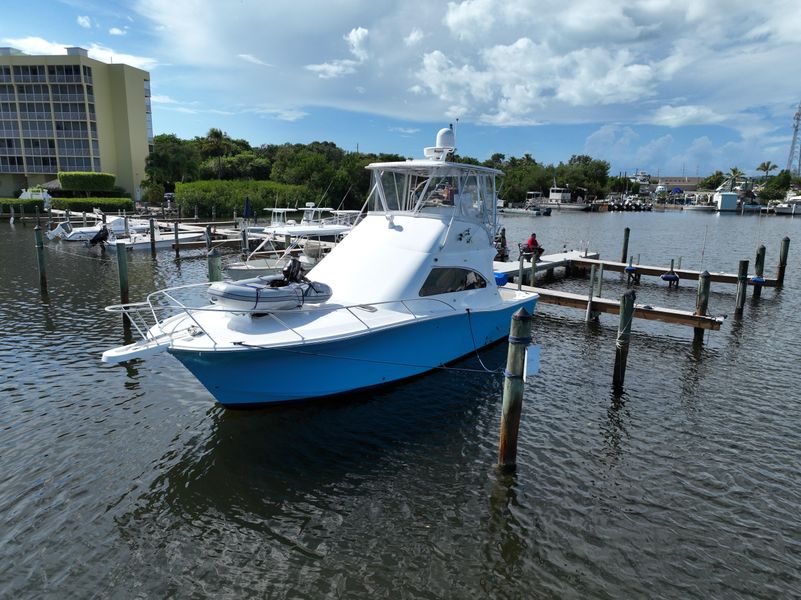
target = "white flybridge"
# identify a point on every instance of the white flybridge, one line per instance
(411, 288)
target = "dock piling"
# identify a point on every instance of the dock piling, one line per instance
(84, 218)
(208, 238)
(784, 251)
(759, 271)
(122, 268)
(215, 265)
(152, 235)
(175, 238)
(22, 213)
(742, 287)
(588, 316)
(127, 229)
(519, 339)
(623, 338)
(520, 273)
(625, 252)
(701, 304)
(37, 232)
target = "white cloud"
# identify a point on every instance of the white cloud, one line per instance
(282, 114)
(341, 67)
(356, 38)
(84, 22)
(252, 59)
(677, 116)
(159, 99)
(415, 37)
(116, 31)
(405, 130)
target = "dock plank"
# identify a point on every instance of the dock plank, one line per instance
(610, 306)
(653, 271)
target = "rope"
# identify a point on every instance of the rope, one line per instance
(53, 249)
(475, 349)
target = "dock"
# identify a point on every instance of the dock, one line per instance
(609, 306)
(653, 271)
(547, 262)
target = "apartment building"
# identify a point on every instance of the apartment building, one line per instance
(71, 113)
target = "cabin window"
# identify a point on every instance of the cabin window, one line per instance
(444, 280)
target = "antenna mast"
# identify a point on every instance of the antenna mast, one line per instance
(792, 156)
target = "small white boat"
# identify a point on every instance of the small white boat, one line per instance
(268, 294)
(790, 206)
(412, 288)
(314, 223)
(141, 241)
(562, 198)
(116, 225)
(311, 253)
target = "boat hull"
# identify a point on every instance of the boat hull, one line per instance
(256, 376)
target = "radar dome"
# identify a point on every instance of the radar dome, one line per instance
(445, 138)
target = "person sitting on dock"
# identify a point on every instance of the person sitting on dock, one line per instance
(533, 250)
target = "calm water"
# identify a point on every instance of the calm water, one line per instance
(128, 481)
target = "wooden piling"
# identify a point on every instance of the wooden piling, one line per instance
(208, 237)
(175, 237)
(37, 233)
(519, 339)
(127, 228)
(22, 213)
(84, 218)
(784, 251)
(195, 212)
(701, 304)
(588, 315)
(742, 287)
(215, 265)
(625, 252)
(122, 269)
(152, 235)
(520, 272)
(623, 338)
(759, 270)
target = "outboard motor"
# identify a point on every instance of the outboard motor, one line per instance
(293, 272)
(101, 237)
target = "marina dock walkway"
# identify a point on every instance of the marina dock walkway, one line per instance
(609, 306)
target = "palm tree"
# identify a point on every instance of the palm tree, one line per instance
(733, 175)
(216, 143)
(767, 167)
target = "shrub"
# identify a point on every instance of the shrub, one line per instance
(28, 205)
(80, 181)
(229, 196)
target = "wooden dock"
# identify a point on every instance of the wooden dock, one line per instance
(688, 274)
(547, 262)
(609, 306)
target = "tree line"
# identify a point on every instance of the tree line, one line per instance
(334, 177)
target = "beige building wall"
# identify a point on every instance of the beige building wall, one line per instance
(121, 119)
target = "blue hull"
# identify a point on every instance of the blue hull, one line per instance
(262, 376)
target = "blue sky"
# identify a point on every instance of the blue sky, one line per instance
(667, 86)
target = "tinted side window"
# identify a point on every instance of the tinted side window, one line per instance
(445, 280)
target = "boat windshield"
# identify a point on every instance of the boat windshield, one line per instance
(452, 190)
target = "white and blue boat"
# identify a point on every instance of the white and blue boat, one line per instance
(411, 287)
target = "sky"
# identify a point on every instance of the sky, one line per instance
(671, 87)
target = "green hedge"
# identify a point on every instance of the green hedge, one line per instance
(80, 181)
(28, 205)
(229, 196)
(107, 205)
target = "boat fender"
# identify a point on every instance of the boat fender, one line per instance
(630, 269)
(670, 276)
(757, 280)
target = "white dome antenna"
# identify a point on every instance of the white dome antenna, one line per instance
(445, 145)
